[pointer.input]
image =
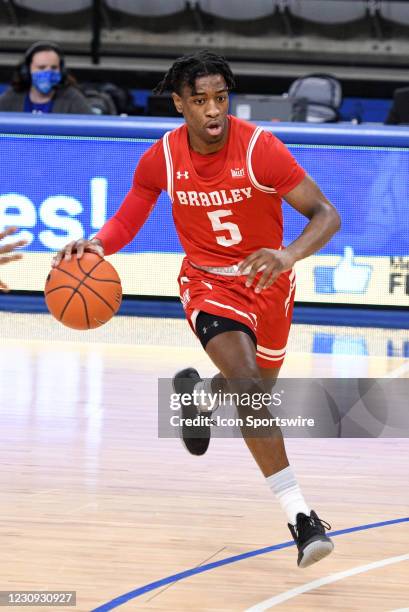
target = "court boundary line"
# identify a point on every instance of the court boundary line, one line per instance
(151, 586)
(268, 604)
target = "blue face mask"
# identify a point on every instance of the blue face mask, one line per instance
(45, 80)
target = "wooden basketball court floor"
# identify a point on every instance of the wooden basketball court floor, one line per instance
(93, 501)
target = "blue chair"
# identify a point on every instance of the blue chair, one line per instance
(147, 8)
(395, 12)
(328, 11)
(240, 10)
(54, 7)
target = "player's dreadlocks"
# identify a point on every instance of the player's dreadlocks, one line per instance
(188, 68)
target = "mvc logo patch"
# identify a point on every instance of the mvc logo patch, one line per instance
(237, 172)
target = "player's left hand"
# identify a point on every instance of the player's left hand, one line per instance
(271, 262)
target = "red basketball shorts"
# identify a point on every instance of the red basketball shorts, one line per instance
(267, 313)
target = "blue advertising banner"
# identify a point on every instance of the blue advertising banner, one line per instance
(58, 188)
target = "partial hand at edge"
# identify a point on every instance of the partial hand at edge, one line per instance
(9, 248)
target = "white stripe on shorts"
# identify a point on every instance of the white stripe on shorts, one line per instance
(194, 317)
(271, 358)
(271, 352)
(291, 278)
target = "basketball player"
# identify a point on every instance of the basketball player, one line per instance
(9, 248)
(226, 179)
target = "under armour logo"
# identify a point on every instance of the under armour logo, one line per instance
(180, 174)
(214, 324)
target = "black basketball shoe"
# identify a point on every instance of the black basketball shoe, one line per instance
(196, 438)
(312, 542)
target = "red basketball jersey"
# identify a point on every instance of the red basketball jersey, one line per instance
(222, 219)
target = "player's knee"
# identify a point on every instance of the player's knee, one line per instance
(246, 386)
(245, 380)
(254, 398)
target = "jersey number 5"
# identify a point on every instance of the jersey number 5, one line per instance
(226, 226)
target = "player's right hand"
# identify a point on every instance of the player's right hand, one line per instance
(79, 247)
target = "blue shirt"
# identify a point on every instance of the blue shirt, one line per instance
(34, 107)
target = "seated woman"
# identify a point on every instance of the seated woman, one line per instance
(41, 84)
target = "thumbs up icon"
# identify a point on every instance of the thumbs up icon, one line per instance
(350, 277)
(345, 277)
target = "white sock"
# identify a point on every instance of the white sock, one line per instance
(285, 487)
(205, 388)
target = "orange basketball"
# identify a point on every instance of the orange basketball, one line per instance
(83, 293)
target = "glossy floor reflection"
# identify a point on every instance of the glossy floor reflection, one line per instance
(94, 501)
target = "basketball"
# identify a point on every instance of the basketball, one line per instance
(83, 293)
